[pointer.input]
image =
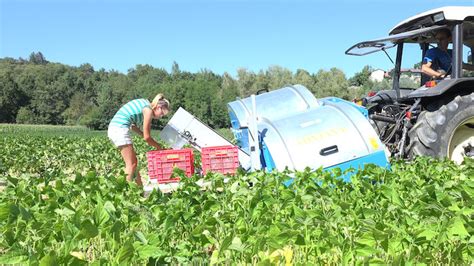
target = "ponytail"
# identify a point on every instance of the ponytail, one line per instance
(160, 101)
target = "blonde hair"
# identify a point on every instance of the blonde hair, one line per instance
(160, 101)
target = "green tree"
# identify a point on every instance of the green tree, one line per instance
(175, 71)
(37, 58)
(11, 96)
(279, 77)
(304, 78)
(331, 83)
(25, 116)
(245, 82)
(79, 106)
(361, 78)
(201, 98)
(229, 88)
(262, 82)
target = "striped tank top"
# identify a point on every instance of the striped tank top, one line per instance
(130, 113)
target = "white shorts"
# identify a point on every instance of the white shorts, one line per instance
(119, 136)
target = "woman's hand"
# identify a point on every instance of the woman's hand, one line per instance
(147, 117)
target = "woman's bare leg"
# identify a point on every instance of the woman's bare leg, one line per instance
(131, 163)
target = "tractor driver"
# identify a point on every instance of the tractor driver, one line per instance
(437, 61)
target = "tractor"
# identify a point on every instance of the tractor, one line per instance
(435, 118)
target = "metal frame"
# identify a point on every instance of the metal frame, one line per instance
(396, 71)
(456, 61)
(378, 44)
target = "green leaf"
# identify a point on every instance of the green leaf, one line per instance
(300, 240)
(88, 230)
(141, 237)
(237, 245)
(14, 211)
(25, 214)
(65, 212)
(4, 211)
(365, 246)
(366, 240)
(396, 198)
(148, 251)
(49, 259)
(13, 180)
(428, 234)
(215, 257)
(282, 238)
(385, 244)
(395, 245)
(368, 213)
(225, 243)
(457, 227)
(306, 198)
(116, 230)
(78, 178)
(109, 207)
(125, 253)
(76, 262)
(101, 216)
(365, 251)
(78, 255)
(454, 208)
(91, 176)
(208, 237)
(13, 258)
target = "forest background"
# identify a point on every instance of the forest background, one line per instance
(36, 91)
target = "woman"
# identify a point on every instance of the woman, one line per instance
(131, 116)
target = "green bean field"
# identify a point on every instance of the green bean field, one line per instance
(64, 200)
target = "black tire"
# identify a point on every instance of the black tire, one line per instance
(433, 132)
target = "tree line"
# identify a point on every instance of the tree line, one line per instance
(36, 91)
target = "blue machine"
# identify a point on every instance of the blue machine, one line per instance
(296, 130)
(288, 128)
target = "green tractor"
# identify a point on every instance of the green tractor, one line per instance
(435, 118)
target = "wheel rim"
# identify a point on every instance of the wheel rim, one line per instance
(462, 141)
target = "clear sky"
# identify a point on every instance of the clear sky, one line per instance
(219, 35)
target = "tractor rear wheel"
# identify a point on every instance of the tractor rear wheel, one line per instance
(445, 132)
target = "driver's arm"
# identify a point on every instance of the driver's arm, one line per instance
(426, 69)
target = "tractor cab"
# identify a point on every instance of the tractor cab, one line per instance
(412, 38)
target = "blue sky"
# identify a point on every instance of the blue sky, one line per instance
(219, 35)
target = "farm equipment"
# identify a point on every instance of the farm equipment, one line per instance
(290, 128)
(437, 118)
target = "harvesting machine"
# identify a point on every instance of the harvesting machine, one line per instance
(290, 128)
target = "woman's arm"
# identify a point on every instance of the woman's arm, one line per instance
(147, 117)
(137, 130)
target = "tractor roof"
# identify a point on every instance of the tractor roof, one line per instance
(436, 16)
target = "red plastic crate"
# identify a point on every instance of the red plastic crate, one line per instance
(220, 159)
(161, 164)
